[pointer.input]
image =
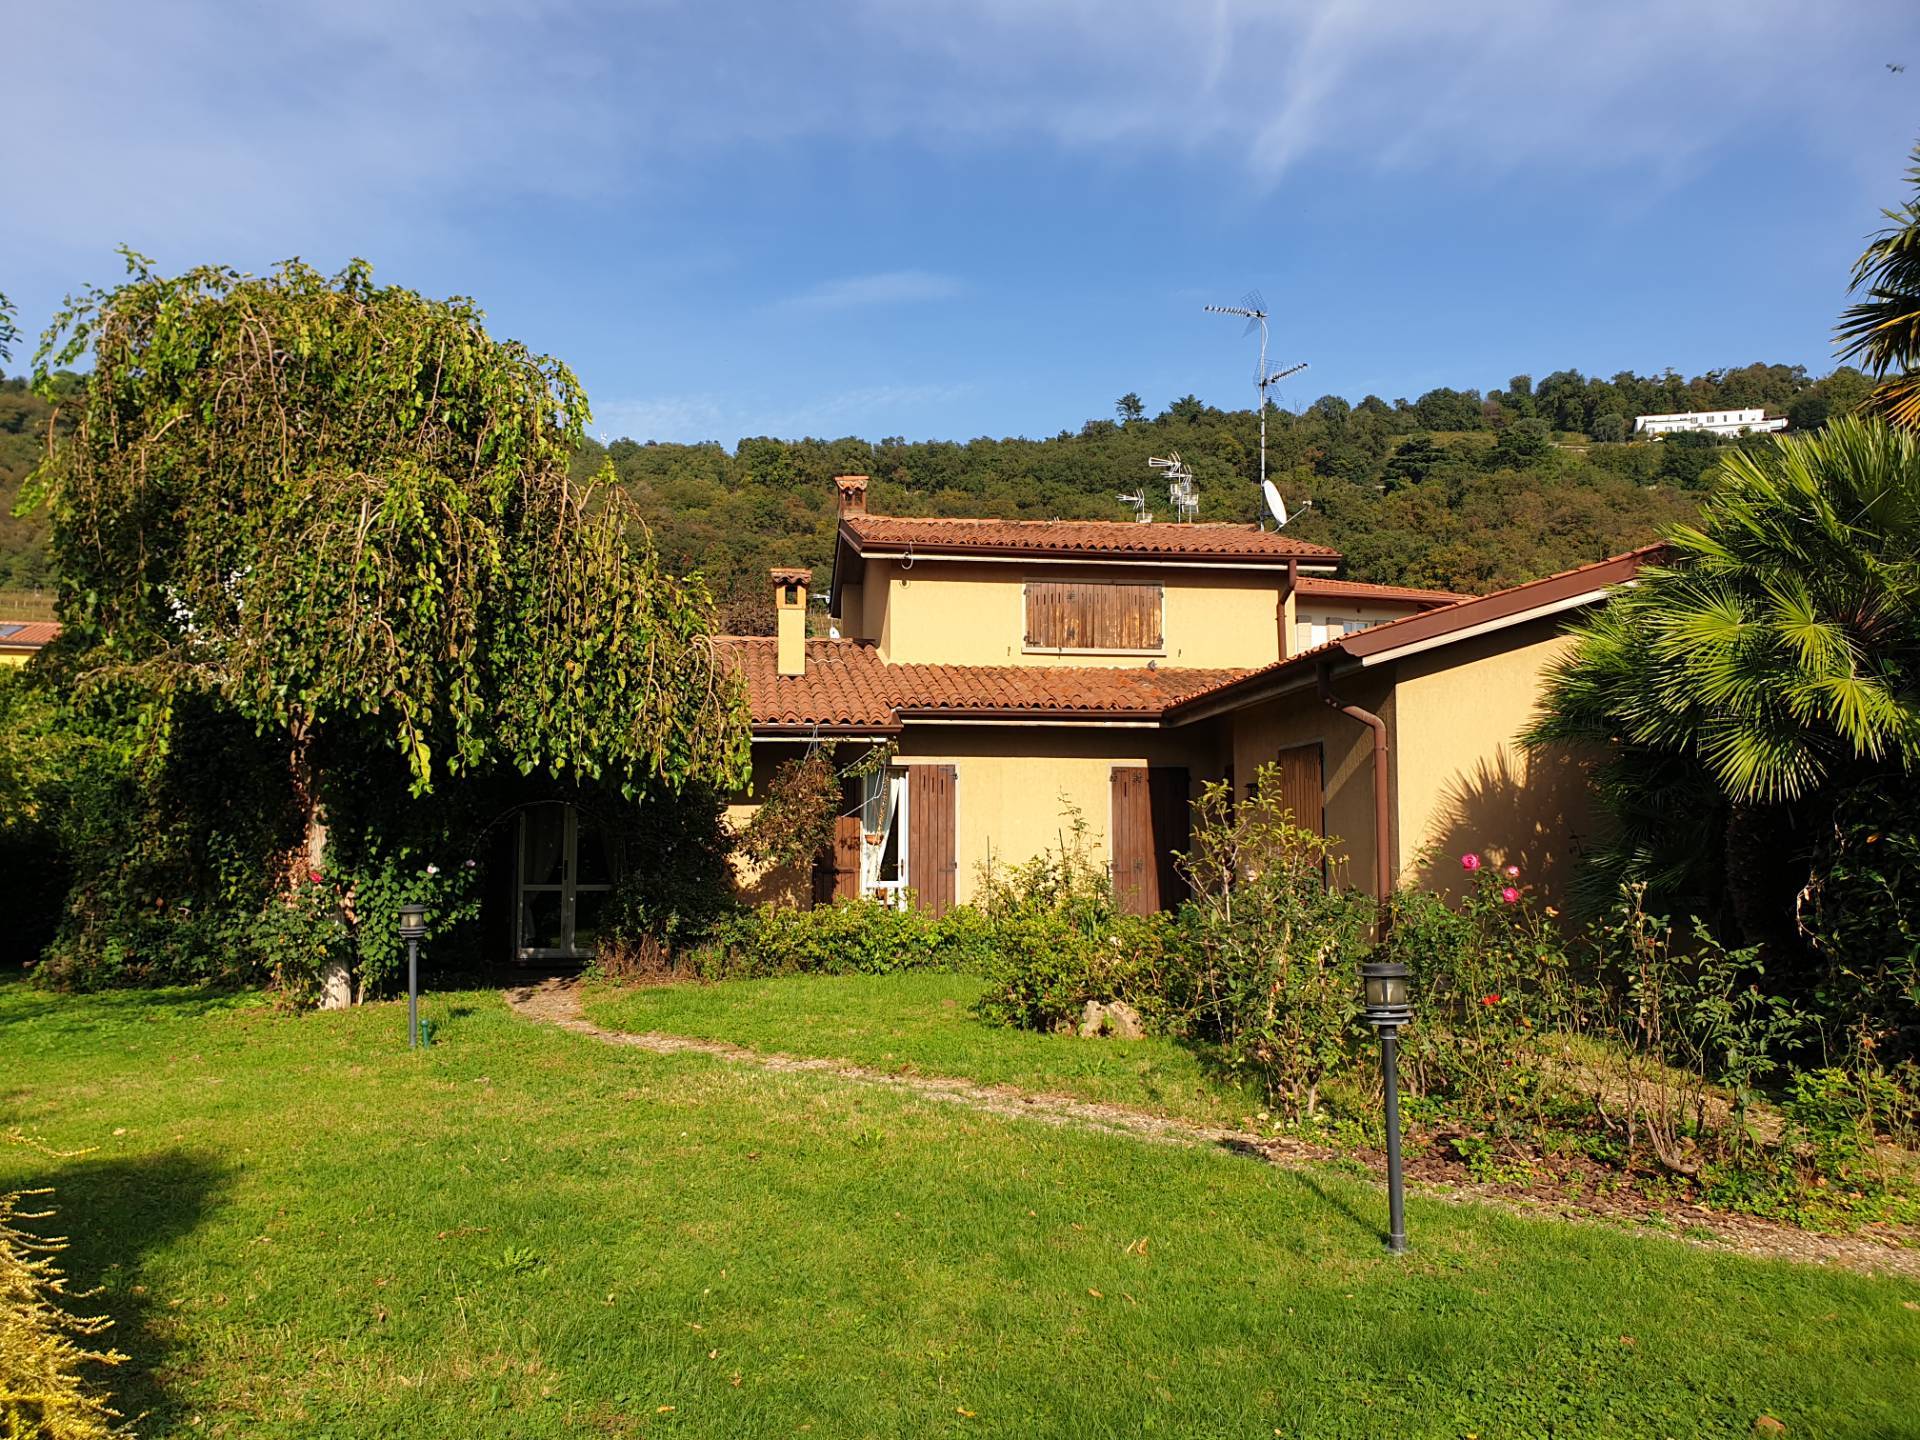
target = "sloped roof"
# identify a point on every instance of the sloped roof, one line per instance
(28, 634)
(1079, 539)
(847, 687)
(1469, 616)
(1332, 589)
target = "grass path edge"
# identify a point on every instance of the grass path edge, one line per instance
(556, 1001)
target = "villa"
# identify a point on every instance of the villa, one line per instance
(1022, 672)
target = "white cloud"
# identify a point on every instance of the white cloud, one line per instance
(888, 287)
(326, 126)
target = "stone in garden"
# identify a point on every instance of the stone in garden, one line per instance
(1119, 1019)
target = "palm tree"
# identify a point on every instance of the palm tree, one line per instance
(1884, 329)
(1773, 659)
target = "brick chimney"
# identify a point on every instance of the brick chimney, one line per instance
(790, 619)
(853, 493)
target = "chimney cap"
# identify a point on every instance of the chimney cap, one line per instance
(853, 493)
(792, 575)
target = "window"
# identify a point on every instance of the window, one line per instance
(1093, 615)
(565, 876)
(883, 840)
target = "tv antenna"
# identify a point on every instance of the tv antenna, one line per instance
(1253, 309)
(1139, 503)
(1182, 493)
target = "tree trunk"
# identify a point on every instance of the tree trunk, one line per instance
(304, 863)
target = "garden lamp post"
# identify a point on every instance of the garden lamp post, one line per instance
(1384, 986)
(413, 928)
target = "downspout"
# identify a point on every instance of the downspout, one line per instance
(1382, 868)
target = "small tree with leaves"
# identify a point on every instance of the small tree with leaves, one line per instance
(330, 505)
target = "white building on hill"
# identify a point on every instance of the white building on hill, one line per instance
(1714, 422)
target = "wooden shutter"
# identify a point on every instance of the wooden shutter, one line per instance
(836, 873)
(1303, 786)
(1172, 810)
(931, 847)
(1136, 885)
(1093, 615)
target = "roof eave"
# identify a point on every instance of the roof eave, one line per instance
(838, 730)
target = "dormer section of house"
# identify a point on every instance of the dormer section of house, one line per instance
(1096, 593)
(1065, 592)
(1325, 610)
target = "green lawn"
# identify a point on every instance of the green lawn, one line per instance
(303, 1230)
(922, 1021)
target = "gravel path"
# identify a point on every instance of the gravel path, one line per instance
(557, 1002)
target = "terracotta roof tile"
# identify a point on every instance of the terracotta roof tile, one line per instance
(1075, 538)
(1442, 620)
(27, 634)
(848, 687)
(1360, 590)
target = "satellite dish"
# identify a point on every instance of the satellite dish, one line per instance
(1275, 505)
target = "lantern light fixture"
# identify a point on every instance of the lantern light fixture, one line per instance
(413, 929)
(1388, 1001)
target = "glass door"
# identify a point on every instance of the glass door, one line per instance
(883, 838)
(562, 885)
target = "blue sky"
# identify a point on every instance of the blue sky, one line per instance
(967, 217)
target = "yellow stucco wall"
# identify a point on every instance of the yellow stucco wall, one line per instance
(974, 613)
(1465, 783)
(784, 885)
(1013, 789)
(14, 657)
(1260, 732)
(1014, 785)
(1457, 777)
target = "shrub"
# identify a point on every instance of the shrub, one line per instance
(849, 937)
(1696, 1036)
(1497, 991)
(1067, 880)
(300, 935)
(44, 1347)
(795, 816)
(1043, 969)
(1261, 961)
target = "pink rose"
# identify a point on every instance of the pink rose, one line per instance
(1513, 872)
(1510, 895)
(1469, 862)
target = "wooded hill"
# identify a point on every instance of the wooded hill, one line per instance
(1456, 489)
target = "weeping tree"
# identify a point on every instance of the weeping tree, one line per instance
(1757, 701)
(335, 508)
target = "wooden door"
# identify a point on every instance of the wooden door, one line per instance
(1303, 786)
(932, 867)
(1136, 885)
(836, 871)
